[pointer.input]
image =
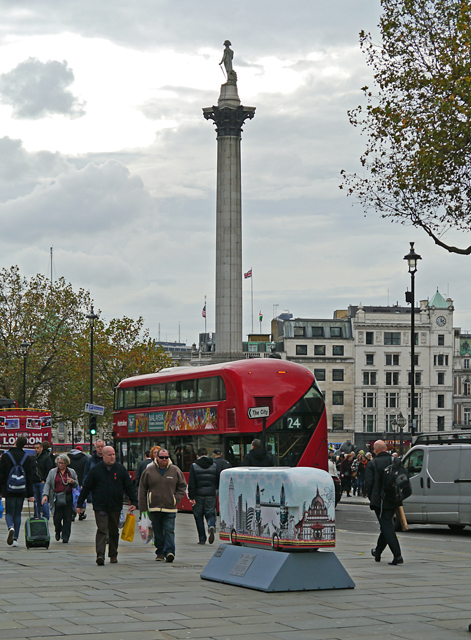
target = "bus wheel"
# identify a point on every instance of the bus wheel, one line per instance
(234, 538)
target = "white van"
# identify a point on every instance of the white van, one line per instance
(440, 476)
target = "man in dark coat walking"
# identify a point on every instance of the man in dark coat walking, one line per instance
(14, 500)
(257, 456)
(380, 505)
(202, 488)
(109, 481)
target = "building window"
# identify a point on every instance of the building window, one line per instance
(440, 377)
(466, 388)
(369, 400)
(440, 423)
(416, 360)
(392, 400)
(301, 349)
(337, 375)
(441, 401)
(337, 422)
(467, 416)
(369, 422)
(299, 332)
(319, 349)
(390, 418)
(337, 350)
(317, 332)
(337, 397)
(417, 400)
(369, 377)
(370, 358)
(392, 359)
(466, 363)
(416, 339)
(441, 340)
(392, 378)
(335, 332)
(392, 338)
(369, 337)
(440, 360)
(319, 374)
(418, 378)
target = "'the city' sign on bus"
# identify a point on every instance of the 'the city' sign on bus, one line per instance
(94, 408)
(258, 412)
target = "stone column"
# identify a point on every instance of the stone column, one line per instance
(229, 117)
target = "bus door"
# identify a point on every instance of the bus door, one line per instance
(237, 446)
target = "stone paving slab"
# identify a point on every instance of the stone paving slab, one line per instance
(62, 593)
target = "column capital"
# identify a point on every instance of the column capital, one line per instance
(229, 121)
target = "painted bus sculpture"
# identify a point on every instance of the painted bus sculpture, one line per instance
(289, 509)
(34, 424)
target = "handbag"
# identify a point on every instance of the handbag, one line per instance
(145, 528)
(60, 499)
(127, 533)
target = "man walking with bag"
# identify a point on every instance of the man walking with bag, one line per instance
(380, 504)
(109, 481)
(202, 489)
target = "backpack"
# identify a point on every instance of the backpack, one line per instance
(396, 483)
(16, 481)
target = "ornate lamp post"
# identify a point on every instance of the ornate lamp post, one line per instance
(394, 428)
(92, 420)
(24, 350)
(412, 257)
(401, 423)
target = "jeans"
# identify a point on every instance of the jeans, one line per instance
(205, 507)
(107, 527)
(388, 536)
(13, 507)
(63, 519)
(163, 524)
(40, 509)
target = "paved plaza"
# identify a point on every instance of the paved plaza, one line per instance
(62, 592)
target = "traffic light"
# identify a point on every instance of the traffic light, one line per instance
(93, 425)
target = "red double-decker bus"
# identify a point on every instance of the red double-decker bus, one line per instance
(183, 409)
(34, 424)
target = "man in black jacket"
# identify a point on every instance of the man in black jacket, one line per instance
(14, 500)
(202, 488)
(380, 505)
(257, 456)
(108, 480)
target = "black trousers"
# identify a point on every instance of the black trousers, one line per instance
(388, 536)
(107, 528)
(63, 518)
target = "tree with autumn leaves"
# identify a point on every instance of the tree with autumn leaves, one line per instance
(417, 118)
(52, 319)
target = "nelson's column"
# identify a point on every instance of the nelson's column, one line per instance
(228, 116)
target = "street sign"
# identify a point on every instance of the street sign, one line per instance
(94, 408)
(258, 412)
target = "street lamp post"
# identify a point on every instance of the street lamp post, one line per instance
(24, 350)
(394, 427)
(412, 257)
(91, 319)
(401, 423)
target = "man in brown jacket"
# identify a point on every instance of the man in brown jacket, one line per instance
(161, 488)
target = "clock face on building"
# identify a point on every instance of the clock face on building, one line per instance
(441, 321)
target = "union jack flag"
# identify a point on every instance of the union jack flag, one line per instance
(248, 274)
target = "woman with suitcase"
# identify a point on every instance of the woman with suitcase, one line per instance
(58, 492)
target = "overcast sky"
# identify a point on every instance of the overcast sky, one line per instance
(105, 156)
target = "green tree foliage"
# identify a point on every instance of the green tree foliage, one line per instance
(53, 320)
(417, 120)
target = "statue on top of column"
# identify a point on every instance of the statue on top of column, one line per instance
(227, 57)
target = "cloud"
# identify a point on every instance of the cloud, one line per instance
(38, 89)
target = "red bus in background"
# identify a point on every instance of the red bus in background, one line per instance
(185, 408)
(34, 424)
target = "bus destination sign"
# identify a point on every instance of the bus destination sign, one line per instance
(258, 412)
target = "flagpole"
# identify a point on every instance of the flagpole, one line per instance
(205, 315)
(251, 289)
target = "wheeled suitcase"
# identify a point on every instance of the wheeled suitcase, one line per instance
(37, 533)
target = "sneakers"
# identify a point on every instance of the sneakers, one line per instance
(114, 560)
(100, 561)
(14, 543)
(82, 516)
(170, 557)
(160, 558)
(11, 533)
(211, 535)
